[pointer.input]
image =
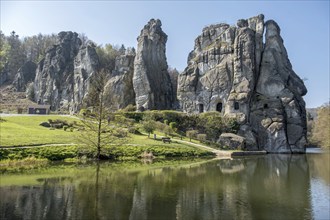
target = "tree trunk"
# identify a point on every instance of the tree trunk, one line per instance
(99, 131)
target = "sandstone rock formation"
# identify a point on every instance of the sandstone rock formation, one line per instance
(278, 111)
(152, 84)
(25, 75)
(119, 89)
(232, 71)
(62, 76)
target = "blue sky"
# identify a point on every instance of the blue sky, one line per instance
(304, 27)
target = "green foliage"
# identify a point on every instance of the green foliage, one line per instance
(30, 91)
(130, 108)
(50, 153)
(107, 56)
(211, 124)
(321, 128)
(201, 137)
(156, 150)
(148, 126)
(168, 131)
(54, 153)
(191, 134)
(137, 116)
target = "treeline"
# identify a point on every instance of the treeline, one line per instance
(320, 127)
(15, 51)
(206, 127)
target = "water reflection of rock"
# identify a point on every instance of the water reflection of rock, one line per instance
(231, 166)
(266, 187)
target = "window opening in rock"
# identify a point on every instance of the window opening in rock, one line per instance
(236, 105)
(201, 108)
(219, 107)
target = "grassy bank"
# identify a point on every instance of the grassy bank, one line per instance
(26, 131)
(112, 152)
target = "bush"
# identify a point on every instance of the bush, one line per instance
(132, 130)
(130, 108)
(65, 127)
(191, 134)
(120, 133)
(201, 137)
(50, 153)
(137, 116)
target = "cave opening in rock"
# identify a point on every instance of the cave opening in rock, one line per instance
(219, 107)
(201, 108)
(236, 105)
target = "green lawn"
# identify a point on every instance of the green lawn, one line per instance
(25, 130)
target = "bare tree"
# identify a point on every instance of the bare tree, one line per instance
(97, 131)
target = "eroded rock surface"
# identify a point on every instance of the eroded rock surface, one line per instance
(119, 89)
(25, 75)
(62, 76)
(152, 84)
(232, 71)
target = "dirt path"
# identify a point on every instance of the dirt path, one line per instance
(219, 153)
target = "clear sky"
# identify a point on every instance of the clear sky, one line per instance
(304, 27)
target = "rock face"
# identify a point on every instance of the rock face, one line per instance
(25, 75)
(232, 141)
(278, 111)
(232, 71)
(62, 76)
(152, 84)
(119, 89)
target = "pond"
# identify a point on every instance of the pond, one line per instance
(260, 187)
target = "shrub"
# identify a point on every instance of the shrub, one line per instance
(201, 137)
(132, 130)
(130, 108)
(191, 134)
(137, 116)
(65, 127)
(120, 133)
(149, 126)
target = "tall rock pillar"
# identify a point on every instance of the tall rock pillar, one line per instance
(278, 110)
(151, 80)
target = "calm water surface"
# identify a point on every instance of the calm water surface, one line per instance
(263, 187)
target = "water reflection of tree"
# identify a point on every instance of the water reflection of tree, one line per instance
(275, 186)
(319, 164)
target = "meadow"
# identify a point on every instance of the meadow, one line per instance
(22, 137)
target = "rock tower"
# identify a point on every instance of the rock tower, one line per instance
(231, 70)
(151, 80)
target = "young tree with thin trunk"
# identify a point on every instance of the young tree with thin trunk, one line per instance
(97, 130)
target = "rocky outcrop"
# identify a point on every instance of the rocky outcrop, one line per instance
(278, 110)
(152, 84)
(119, 89)
(25, 75)
(232, 71)
(232, 141)
(62, 76)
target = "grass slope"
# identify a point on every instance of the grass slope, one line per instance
(25, 131)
